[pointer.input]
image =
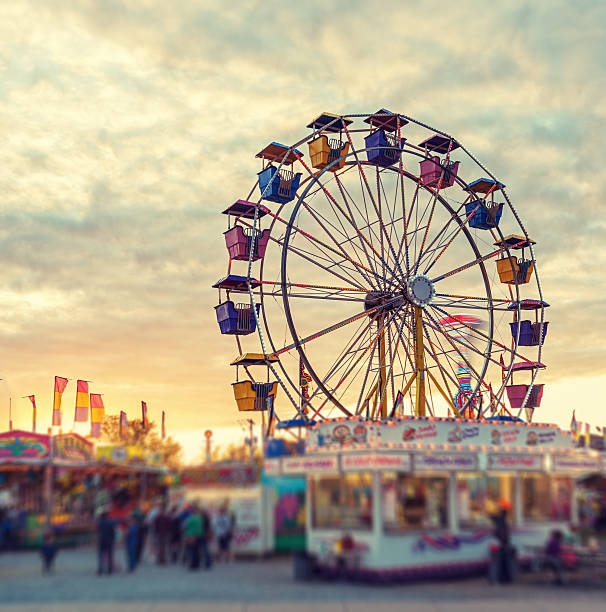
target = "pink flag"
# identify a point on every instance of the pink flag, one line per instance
(123, 424)
(81, 402)
(144, 419)
(97, 413)
(60, 384)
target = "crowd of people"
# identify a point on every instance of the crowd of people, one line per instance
(188, 535)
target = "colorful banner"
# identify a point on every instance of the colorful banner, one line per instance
(97, 414)
(144, 419)
(32, 399)
(122, 455)
(419, 432)
(163, 424)
(81, 402)
(123, 424)
(72, 447)
(23, 446)
(60, 384)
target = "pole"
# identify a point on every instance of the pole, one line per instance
(48, 484)
(419, 362)
(10, 414)
(252, 440)
(381, 396)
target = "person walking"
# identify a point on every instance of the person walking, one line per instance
(175, 535)
(206, 538)
(193, 532)
(224, 531)
(505, 553)
(131, 543)
(162, 528)
(106, 536)
(48, 551)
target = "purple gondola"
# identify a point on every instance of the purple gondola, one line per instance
(240, 241)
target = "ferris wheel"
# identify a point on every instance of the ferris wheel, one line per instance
(375, 275)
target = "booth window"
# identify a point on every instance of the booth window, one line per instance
(342, 503)
(478, 497)
(545, 498)
(413, 502)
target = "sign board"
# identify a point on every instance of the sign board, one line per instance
(309, 464)
(575, 463)
(120, 455)
(428, 432)
(23, 446)
(243, 474)
(515, 462)
(72, 447)
(271, 466)
(445, 461)
(374, 461)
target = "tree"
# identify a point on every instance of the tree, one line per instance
(148, 439)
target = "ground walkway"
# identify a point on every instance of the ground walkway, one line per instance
(255, 586)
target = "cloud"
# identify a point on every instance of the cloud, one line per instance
(129, 126)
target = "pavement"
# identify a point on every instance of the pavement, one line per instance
(265, 585)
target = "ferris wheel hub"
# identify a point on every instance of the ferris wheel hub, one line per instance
(420, 290)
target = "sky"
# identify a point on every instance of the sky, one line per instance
(128, 127)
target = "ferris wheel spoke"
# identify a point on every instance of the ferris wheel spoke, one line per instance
(344, 254)
(335, 327)
(358, 360)
(365, 244)
(466, 266)
(372, 199)
(304, 255)
(451, 240)
(317, 243)
(382, 261)
(333, 202)
(443, 235)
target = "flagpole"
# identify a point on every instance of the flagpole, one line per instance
(10, 414)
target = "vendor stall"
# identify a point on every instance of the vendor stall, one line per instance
(414, 497)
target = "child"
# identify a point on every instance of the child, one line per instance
(48, 552)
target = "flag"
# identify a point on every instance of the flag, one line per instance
(60, 384)
(32, 399)
(163, 424)
(587, 435)
(304, 380)
(574, 426)
(97, 413)
(397, 405)
(144, 419)
(81, 414)
(123, 424)
(503, 375)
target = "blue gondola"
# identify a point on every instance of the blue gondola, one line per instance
(283, 188)
(236, 319)
(487, 215)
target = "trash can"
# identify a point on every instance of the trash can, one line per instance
(303, 566)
